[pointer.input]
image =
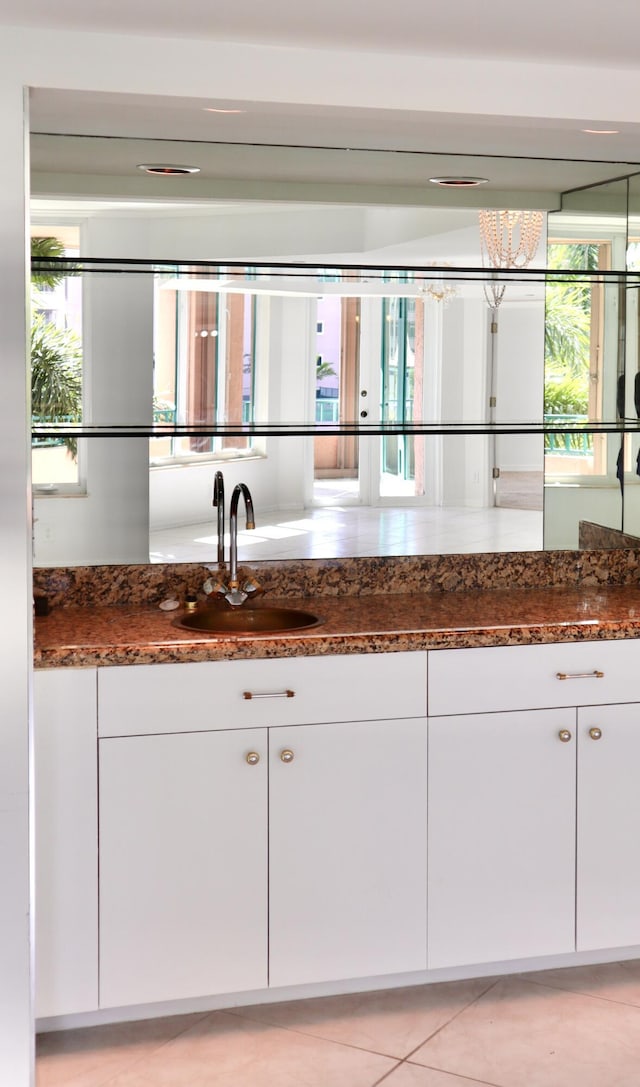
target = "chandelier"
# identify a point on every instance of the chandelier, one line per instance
(508, 239)
(439, 288)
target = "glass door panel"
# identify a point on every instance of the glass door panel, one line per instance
(336, 457)
(402, 455)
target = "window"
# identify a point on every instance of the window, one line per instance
(402, 469)
(204, 367)
(576, 313)
(56, 359)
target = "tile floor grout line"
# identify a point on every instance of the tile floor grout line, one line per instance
(431, 1068)
(351, 1045)
(152, 1053)
(387, 1074)
(453, 1018)
(238, 1013)
(575, 992)
(318, 1037)
(459, 1075)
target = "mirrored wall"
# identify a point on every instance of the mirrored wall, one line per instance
(593, 374)
(371, 410)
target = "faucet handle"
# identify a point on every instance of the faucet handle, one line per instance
(248, 583)
(210, 586)
(235, 596)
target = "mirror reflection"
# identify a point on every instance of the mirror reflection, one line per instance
(420, 342)
(587, 479)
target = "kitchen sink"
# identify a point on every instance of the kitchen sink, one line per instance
(246, 621)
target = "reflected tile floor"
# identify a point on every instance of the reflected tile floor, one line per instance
(577, 1027)
(358, 531)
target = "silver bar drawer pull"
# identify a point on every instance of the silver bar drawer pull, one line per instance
(580, 675)
(268, 694)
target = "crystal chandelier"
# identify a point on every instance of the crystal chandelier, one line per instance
(508, 239)
(439, 288)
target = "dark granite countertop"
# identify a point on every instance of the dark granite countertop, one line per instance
(113, 634)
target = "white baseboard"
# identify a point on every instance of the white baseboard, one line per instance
(219, 1002)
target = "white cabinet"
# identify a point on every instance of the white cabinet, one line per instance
(501, 836)
(184, 820)
(507, 800)
(608, 869)
(66, 841)
(183, 865)
(252, 834)
(347, 850)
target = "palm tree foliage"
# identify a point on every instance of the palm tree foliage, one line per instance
(567, 346)
(56, 353)
(567, 330)
(575, 256)
(56, 375)
(49, 273)
(56, 371)
(323, 369)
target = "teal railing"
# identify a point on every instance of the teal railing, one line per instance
(568, 443)
(327, 411)
(48, 443)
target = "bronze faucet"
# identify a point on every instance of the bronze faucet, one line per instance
(233, 592)
(218, 501)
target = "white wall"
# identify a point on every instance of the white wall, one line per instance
(464, 398)
(109, 522)
(182, 494)
(520, 379)
(16, 1042)
(566, 506)
(279, 232)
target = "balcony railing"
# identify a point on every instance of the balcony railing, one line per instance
(569, 443)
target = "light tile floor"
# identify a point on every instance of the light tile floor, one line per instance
(577, 1027)
(340, 531)
(337, 527)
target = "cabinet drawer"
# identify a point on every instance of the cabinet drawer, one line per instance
(157, 698)
(527, 677)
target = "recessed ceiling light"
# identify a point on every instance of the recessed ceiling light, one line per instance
(601, 131)
(458, 182)
(214, 109)
(167, 169)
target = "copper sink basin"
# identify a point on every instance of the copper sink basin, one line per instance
(246, 621)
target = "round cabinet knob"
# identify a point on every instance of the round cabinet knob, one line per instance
(363, 414)
(595, 733)
(252, 758)
(564, 735)
(286, 755)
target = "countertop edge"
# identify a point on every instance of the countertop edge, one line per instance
(328, 644)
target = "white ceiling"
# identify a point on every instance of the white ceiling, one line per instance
(86, 145)
(570, 31)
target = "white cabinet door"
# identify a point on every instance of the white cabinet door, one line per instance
(608, 903)
(183, 856)
(347, 888)
(66, 841)
(501, 836)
